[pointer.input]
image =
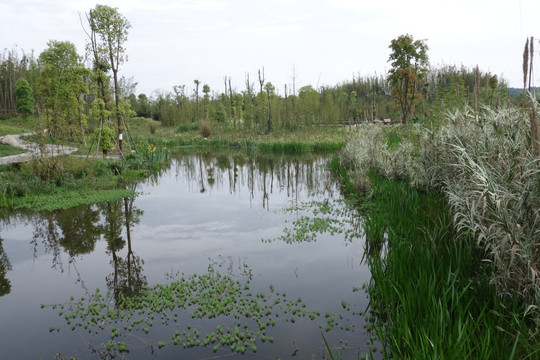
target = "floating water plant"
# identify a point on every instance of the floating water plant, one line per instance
(205, 296)
(326, 217)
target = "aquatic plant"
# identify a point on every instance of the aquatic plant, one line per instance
(330, 217)
(484, 165)
(430, 293)
(210, 296)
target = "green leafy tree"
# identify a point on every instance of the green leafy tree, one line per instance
(104, 137)
(269, 88)
(238, 103)
(24, 101)
(62, 82)
(109, 32)
(410, 63)
(206, 100)
(309, 104)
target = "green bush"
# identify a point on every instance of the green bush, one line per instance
(187, 127)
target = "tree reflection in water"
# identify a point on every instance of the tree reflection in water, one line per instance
(75, 232)
(127, 279)
(5, 266)
(261, 174)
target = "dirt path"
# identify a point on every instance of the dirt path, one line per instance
(33, 151)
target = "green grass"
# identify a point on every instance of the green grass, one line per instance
(15, 126)
(66, 181)
(430, 290)
(8, 150)
(69, 199)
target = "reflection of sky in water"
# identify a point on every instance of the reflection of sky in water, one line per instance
(184, 229)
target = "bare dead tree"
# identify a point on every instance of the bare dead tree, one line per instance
(261, 79)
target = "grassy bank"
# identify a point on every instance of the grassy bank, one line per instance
(50, 183)
(278, 142)
(57, 182)
(430, 289)
(451, 225)
(16, 125)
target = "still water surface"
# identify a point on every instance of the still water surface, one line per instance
(222, 212)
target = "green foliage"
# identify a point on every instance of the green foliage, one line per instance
(430, 290)
(221, 115)
(150, 154)
(23, 98)
(112, 29)
(490, 174)
(62, 83)
(409, 62)
(104, 136)
(187, 127)
(240, 319)
(70, 199)
(62, 182)
(322, 218)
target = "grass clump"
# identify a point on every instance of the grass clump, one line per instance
(8, 150)
(153, 126)
(206, 129)
(430, 290)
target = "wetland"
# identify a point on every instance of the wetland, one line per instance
(222, 254)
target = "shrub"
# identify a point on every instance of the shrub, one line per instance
(105, 137)
(187, 127)
(153, 125)
(206, 130)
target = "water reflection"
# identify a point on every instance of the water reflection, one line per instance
(262, 175)
(203, 214)
(74, 232)
(127, 278)
(5, 266)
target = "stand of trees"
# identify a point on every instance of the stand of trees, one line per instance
(71, 97)
(360, 100)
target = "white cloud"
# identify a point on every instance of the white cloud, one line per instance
(174, 42)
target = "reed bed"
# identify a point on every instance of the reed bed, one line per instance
(430, 290)
(491, 178)
(460, 279)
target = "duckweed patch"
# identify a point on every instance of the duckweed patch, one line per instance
(240, 318)
(334, 218)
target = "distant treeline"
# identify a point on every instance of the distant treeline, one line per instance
(260, 106)
(516, 92)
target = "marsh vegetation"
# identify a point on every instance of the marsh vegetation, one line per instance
(434, 218)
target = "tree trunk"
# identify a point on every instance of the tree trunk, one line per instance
(117, 103)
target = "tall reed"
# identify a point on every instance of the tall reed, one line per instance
(491, 177)
(429, 290)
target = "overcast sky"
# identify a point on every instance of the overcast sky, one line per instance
(326, 42)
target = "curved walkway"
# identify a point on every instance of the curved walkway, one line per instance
(33, 151)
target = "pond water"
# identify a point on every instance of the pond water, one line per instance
(208, 217)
